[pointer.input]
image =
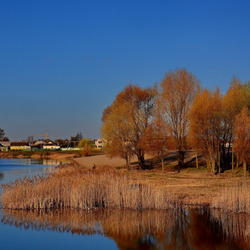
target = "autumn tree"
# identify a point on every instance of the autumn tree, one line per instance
(194, 143)
(155, 140)
(177, 92)
(116, 130)
(125, 122)
(236, 98)
(242, 137)
(246, 91)
(83, 142)
(205, 126)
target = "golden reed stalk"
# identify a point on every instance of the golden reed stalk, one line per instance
(234, 198)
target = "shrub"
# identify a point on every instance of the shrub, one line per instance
(86, 151)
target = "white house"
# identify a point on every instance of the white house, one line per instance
(100, 143)
(4, 145)
(50, 146)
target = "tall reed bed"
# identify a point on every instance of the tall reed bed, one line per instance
(74, 187)
(234, 198)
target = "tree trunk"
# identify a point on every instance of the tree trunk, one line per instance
(213, 166)
(209, 165)
(162, 163)
(196, 159)
(141, 161)
(228, 156)
(223, 158)
(158, 159)
(180, 156)
(237, 164)
(219, 160)
(128, 162)
(245, 168)
(232, 160)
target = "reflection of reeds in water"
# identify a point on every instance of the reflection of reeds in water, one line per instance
(132, 229)
(234, 198)
(75, 187)
(127, 223)
(234, 225)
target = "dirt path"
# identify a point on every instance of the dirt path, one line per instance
(101, 160)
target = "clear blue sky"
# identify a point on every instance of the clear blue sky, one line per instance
(62, 62)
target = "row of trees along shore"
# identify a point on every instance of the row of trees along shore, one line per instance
(178, 114)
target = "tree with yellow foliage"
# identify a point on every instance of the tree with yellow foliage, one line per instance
(116, 130)
(156, 139)
(205, 126)
(177, 92)
(236, 98)
(242, 137)
(126, 120)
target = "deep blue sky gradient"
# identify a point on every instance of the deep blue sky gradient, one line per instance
(62, 62)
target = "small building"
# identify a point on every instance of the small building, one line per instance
(20, 145)
(228, 144)
(100, 143)
(4, 145)
(50, 146)
(37, 145)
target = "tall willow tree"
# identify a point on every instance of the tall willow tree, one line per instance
(125, 122)
(177, 92)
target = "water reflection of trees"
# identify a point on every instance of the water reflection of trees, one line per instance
(235, 226)
(171, 229)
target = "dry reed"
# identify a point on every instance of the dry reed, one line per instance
(234, 198)
(75, 187)
(72, 186)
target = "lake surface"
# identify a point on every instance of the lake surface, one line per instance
(182, 228)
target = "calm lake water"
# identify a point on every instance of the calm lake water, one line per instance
(181, 228)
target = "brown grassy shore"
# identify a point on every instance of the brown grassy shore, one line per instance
(75, 186)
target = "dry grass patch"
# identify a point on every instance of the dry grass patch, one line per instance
(235, 198)
(75, 187)
(105, 187)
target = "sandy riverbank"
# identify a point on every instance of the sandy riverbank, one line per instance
(98, 160)
(89, 161)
